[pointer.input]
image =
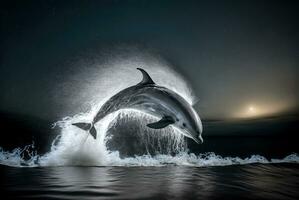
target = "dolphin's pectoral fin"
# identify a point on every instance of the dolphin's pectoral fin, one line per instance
(162, 123)
(146, 78)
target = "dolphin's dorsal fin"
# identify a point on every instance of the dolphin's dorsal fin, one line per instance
(162, 123)
(146, 78)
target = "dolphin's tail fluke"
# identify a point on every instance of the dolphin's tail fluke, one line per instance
(87, 127)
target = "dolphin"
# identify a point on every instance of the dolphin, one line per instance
(146, 96)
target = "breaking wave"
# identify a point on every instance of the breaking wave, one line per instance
(16, 158)
(149, 148)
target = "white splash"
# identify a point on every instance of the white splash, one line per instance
(74, 147)
(83, 158)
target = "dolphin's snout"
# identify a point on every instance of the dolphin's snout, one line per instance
(199, 136)
(199, 132)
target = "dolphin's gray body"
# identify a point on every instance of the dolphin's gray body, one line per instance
(159, 101)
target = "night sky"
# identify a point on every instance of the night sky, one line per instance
(240, 57)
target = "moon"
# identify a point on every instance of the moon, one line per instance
(251, 109)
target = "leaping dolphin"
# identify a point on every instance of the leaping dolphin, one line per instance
(159, 101)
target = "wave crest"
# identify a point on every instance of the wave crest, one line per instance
(74, 147)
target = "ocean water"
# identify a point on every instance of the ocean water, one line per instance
(251, 181)
(127, 161)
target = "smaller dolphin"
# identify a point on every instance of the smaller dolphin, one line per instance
(159, 101)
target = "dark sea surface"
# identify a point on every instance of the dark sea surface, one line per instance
(244, 160)
(252, 181)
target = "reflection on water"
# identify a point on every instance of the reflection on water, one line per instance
(256, 181)
(281, 181)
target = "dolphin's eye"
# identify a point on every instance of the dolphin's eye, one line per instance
(184, 125)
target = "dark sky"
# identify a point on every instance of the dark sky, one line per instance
(240, 57)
